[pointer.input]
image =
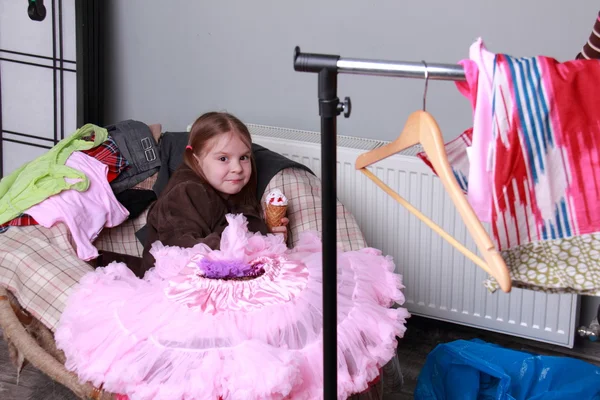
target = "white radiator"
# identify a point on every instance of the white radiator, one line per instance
(440, 282)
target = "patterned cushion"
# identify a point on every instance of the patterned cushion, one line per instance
(40, 266)
(121, 239)
(303, 191)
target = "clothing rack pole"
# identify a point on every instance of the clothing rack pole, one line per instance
(328, 66)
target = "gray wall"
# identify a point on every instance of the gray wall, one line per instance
(169, 61)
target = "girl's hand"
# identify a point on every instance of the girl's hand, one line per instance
(282, 229)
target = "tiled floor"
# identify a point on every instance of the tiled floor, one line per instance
(421, 337)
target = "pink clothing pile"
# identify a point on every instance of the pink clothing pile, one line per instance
(85, 213)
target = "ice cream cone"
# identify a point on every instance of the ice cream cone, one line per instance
(274, 214)
(276, 208)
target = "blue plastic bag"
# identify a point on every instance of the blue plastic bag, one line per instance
(478, 370)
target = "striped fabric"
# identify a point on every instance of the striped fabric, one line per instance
(456, 151)
(591, 50)
(546, 158)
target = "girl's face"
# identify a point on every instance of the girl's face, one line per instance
(226, 163)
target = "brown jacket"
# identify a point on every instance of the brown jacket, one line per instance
(189, 212)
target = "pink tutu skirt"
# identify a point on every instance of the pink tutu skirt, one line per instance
(180, 334)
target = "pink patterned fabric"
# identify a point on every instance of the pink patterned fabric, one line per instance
(545, 158)
(545, 149)
(177, 334)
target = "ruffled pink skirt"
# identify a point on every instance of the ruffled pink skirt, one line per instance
(177, 334)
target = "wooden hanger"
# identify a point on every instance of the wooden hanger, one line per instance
(422, 128)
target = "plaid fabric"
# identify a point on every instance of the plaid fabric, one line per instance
(303, 191)
(121, 239)
(40, 267)
(108, 154)
(21, 220)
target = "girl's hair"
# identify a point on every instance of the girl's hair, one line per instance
(209, 126)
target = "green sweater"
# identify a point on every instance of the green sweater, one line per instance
(45, 176)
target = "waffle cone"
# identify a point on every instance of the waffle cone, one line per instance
(274, 215)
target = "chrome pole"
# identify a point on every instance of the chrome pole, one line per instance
(401, 69)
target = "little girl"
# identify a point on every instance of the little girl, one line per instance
(217, 177)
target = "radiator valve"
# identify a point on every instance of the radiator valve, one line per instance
(591, 332)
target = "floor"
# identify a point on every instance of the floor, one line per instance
(421, 337)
